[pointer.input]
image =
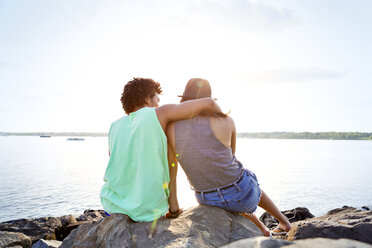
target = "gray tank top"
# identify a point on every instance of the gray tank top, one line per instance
(207, 162)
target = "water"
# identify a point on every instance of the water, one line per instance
(53, 177)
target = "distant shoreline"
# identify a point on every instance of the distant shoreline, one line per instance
(259, 135)
(55, 134)
(308, 135)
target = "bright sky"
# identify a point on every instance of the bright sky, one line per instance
(278, 65)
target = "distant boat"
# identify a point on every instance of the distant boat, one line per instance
(75, 139)
(45, 136)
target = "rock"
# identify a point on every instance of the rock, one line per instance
(89, 216)
(293, 215)
(42, 243)
(51, 228)
(12, 239)
(63, 230)
(38, 228)
(259, 242)
(262, 242)
(329, 243)
(345, 222)
(337, 210)
(200, 226)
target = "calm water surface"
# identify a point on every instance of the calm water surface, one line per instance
(53, 176)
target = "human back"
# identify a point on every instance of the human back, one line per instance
(203, 147)
(224, 131)
(138, 175)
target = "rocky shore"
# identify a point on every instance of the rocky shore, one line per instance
(199, 226)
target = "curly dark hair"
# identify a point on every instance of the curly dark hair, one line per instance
(136, 91)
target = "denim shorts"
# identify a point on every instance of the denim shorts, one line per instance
(242, 196)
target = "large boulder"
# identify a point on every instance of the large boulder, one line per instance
(262, 242)
(13, 239)
(200, 226)
(345, 222)
(293, 215)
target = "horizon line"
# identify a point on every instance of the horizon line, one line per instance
(74, 133)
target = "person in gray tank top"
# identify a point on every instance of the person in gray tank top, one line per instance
(205, 147)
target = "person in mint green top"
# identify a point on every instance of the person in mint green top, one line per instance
(138, 180)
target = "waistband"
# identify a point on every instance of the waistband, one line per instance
(240, 177)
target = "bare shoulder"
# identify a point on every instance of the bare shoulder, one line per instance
(230, 122)
(229, 119)
(162, 113)
(162, 110)
(225, 123)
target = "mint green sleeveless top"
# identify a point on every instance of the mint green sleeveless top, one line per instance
(137, 175)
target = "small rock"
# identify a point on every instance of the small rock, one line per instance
(259, 242)
(9, 239)
(329, 243)
(47, 244)
(293, 215)
(91, 215)
(337, 210)
(262, 242)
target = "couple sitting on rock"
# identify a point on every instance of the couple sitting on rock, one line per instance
(146, 145)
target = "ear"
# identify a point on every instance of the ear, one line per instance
(148, 100)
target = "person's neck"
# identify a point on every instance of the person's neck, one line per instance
(138, 108)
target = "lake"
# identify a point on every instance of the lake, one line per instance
(55, 176)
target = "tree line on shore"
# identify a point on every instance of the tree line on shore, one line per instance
(308, 135)
(260, 135)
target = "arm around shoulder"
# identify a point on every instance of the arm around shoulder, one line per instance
(186, 110)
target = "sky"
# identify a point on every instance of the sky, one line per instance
(277, 65)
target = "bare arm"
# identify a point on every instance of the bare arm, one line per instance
(185, 110)
(233, 138)
(173, 166)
